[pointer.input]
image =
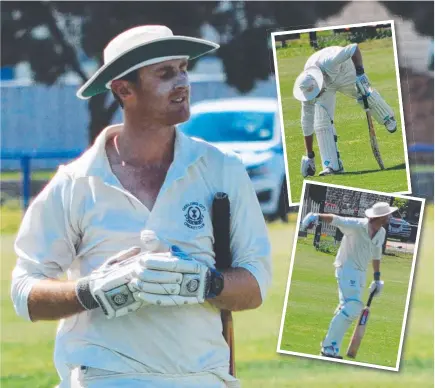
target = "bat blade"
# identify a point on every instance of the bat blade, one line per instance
(372, 134)
(358, 333)
(374, 142)
(360, 328)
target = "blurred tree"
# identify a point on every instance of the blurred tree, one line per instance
(55, 37)
(401, 204)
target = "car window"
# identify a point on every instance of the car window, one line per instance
(230, 126)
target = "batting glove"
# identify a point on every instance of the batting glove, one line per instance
(363, 85)
(308, 165)
(377, 285)
(309, 221)
(107, 287)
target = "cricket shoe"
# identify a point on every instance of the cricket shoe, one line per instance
(329, 351)
(391, 124)
(330, 171)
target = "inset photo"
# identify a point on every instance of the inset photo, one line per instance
(351, 276)
(341, 107)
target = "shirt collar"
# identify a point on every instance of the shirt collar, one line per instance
(95, 162)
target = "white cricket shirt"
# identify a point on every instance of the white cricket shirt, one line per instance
(330, 61)
(84, 215)
(356, 248)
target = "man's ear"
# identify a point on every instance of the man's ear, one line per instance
(123, 89)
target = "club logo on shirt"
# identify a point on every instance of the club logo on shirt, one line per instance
(194, 215)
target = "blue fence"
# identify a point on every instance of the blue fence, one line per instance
(25, 159)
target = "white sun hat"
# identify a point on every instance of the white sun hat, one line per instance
(308, 84)
(138, 47)
(380, 209)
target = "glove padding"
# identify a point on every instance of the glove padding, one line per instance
(377, 285)
(108, 285)
(363, 85)
(308, 166)
(309, 221)
(170, 279)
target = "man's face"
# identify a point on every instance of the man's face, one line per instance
(163, 92)
(386, 219)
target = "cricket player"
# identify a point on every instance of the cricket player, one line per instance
(328, 71)
(362, 241)
(133, 315)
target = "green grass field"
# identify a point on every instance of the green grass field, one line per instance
(360, 165)
(313, 298)
(27, 347)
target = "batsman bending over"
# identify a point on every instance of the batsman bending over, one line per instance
(130, 318)
(363, 240)
(328, 71)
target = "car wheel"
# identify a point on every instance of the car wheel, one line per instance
(283, 207)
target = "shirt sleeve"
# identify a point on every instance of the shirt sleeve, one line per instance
(343, 54)
(250, 243)
(346, 224)
(377, 249)
(307, 118)
(45, 244)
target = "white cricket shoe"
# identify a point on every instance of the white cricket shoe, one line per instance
(329, 351)
(391, 124)
(330, 171)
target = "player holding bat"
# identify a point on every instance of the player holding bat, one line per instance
(362, 241)
(132, 315)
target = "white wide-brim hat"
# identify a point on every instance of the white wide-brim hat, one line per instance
(380, 209)
(138, 47)
(308, 84)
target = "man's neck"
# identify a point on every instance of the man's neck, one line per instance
(142, 145)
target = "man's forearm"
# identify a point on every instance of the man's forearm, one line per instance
(52, 299)
(326, 218)
(376, 269)
(357, 58)
(309, 143)
(241, 291)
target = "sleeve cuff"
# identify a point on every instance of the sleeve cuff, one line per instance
(259, 274)
(20, 296)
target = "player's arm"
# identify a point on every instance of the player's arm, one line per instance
(358, 61)
(377, 284)
(52, 299)
(308, 165)
(246, 283)
(345, 224)
(45, 249)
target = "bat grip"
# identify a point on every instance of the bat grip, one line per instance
(372, 294)
(365, 102)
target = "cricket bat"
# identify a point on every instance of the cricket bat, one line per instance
(360, 328)
(373, 140)
(222, 249)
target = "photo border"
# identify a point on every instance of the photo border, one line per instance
(410, 283)
(399, 89)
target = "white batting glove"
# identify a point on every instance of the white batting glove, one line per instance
(309, 221)
(377, 285)
(107, 287)
(170, 279)
(363, 85)
(308, 166)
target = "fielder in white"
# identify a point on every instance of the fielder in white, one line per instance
(362, 241)
(129, 223)
(328, 71)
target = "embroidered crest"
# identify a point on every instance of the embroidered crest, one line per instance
(194, 215)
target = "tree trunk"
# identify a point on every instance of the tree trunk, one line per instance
(100, 115)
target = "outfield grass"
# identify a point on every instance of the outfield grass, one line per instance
(27, 347)
(313, 298)
(361, 167)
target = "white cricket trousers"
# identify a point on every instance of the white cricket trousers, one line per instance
(351, 284)
(98, 378)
